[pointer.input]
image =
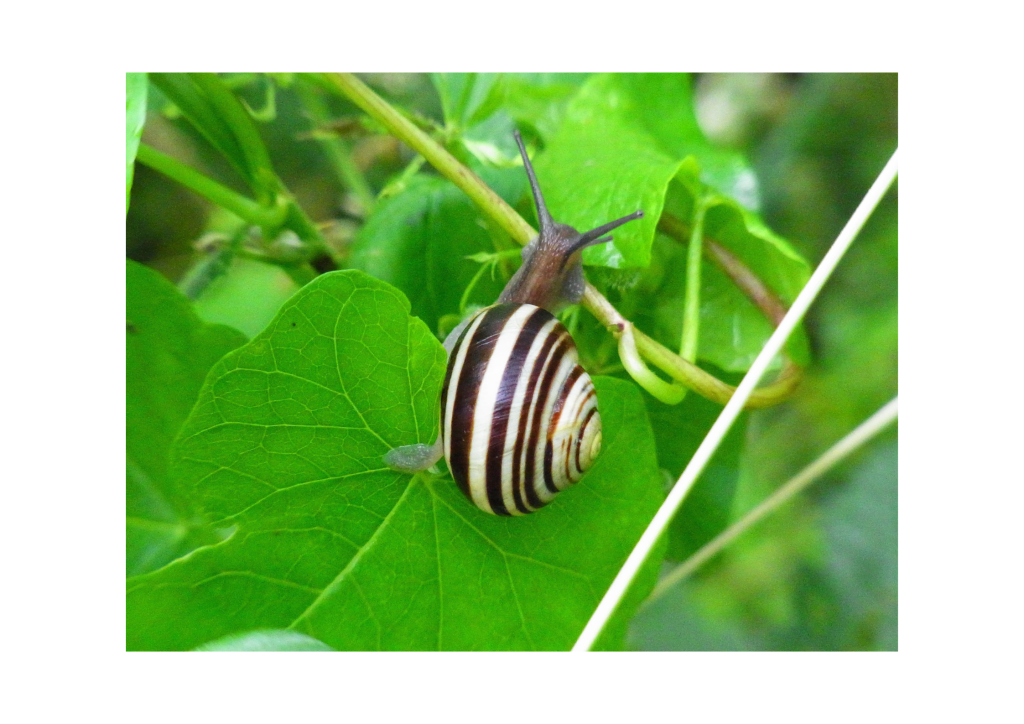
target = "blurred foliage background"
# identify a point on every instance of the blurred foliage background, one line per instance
(819, 574)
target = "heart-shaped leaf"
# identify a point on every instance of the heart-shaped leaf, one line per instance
(286, 442)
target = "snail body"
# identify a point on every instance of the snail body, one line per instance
(519, 419)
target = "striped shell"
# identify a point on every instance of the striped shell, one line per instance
(519, 414)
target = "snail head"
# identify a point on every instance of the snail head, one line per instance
(552, 272)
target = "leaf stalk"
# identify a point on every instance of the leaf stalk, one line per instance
(241, 206)
(691, 303)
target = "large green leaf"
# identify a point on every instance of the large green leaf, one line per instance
(135, 117)
(621, 144)
(169, 352)
(286, 443)
(588, 181)
(418, 240)
(662, 105)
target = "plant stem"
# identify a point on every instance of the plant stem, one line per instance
(474, 187)
(494, 206)
(749, 283)
(709, 386)
(670, 394)
(862, 434)
(245, 208)
(691, 303)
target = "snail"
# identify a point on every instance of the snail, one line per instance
(519, 419)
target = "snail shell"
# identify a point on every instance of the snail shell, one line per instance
(519, 417)
(520, 420)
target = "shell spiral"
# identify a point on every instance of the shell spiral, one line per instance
(519, 414)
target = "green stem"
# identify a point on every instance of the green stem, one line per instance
(403, 129)
(490, 203)
(691, 304)
(741, 275)
(687, 373)
(337, 151)
(399, 184)
(669, 393)
(709, 386)
(245, 208)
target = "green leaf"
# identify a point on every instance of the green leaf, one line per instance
(135, 116)
(286, 443)
(418, 241)
(466, 98)
(222, 120)
(539, 99)
(736, 329)
(169, 352)
(622, 145)
(243, 128)
(183, 93)
(602, 164)
(247, 296)
(662, 105)
(272, 640)
(482, 109)
(588, 181)
(492, 141)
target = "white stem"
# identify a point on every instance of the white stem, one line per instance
(833, 456)
(629, 569)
